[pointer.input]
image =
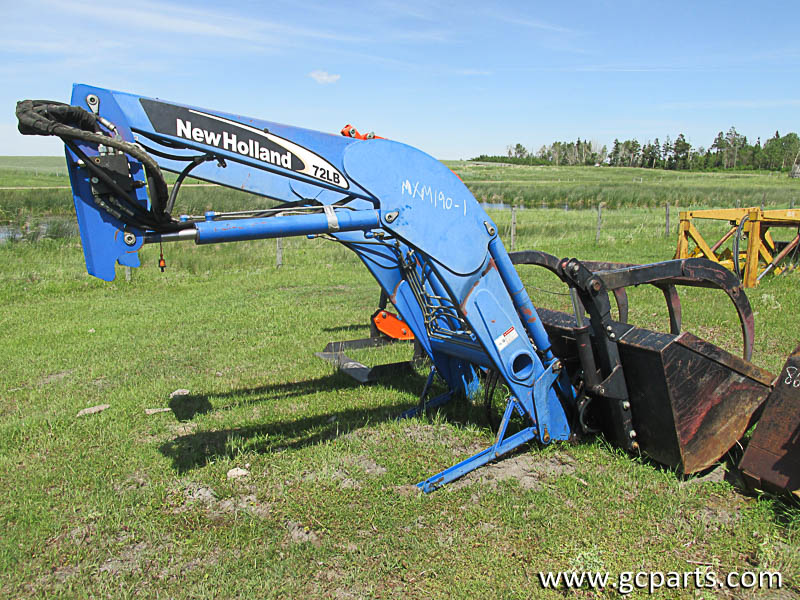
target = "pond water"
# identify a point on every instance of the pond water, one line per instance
(495, 206)
(38, 229)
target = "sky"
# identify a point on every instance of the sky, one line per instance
(455, 79)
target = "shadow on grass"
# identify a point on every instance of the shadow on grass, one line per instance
(195, 450)
(186, 408)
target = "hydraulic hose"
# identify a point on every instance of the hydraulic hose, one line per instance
(71, 123)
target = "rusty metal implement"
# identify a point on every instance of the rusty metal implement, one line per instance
(772, 459)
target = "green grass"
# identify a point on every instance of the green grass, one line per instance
(33, 171)
(584, 187)
(124, 504)
(532, 187)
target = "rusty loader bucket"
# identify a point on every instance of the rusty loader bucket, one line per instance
(772, 459)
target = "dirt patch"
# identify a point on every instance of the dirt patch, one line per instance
(716, 475)
(54, 377)
(131, 483)
(407, 490)
(196, 496)
(82, 535)
(78, 535)
(57, 575)
(714, 517)
(249, 504)
(299, 534)
(128, 561)
(349, 474)
(348, 483)
(61, 574)
(366, 464)
(142, 557)
(531, 471)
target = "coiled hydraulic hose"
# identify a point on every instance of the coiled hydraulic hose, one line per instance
(71, 123)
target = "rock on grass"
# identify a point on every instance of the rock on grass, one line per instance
(238, 472)
(92, 410)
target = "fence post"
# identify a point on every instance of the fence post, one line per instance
(513, 226)
(278, 252)
(599, 222)
(666, 224)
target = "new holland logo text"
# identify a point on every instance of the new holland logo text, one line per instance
(229, 141)
(232, 136)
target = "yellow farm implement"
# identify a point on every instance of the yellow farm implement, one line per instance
(761, 254)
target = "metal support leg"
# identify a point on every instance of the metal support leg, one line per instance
(424, 404)
(501, 446)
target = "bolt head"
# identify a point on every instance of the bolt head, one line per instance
(129, 238)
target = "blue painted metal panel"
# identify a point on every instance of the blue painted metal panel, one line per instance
(101, 233)
(436, 211)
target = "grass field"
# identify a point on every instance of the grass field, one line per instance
(532, 187)
(582, 187)
(126, 504)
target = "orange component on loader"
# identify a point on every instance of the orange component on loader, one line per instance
(391, 326)
(350, 131)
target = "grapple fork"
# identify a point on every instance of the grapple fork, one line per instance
(689, 400)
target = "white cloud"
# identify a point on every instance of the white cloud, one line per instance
(323, 77)
(177, 19)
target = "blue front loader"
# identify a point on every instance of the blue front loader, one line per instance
(416, 227)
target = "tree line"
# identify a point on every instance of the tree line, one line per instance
(729, 150)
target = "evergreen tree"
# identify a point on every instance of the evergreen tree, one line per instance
(681, 152)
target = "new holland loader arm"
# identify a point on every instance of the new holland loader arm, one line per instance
(434, 252)
(415, 226)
